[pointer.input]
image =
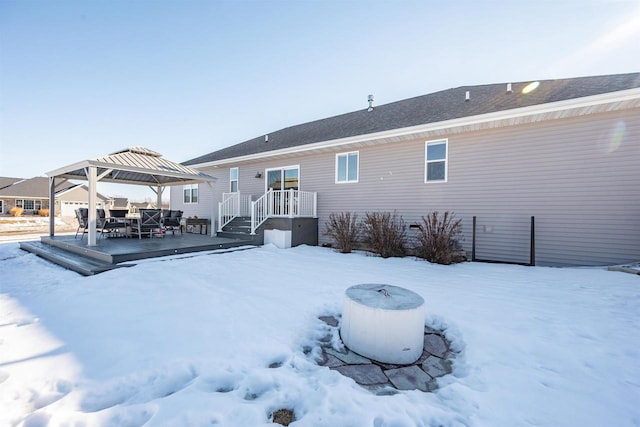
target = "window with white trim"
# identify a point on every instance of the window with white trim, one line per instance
(190, 193)
(347, 165)
(436, 161)
(233, 180)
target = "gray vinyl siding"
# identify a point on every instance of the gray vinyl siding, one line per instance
(581, 186)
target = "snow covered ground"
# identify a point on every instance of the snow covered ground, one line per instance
(189, 342)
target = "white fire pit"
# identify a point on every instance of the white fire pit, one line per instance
(384, 323)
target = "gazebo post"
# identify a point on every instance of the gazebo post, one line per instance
(159, 192)
(92, 176)
(52, 205)
(213, 227)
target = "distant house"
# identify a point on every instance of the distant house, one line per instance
(134, 207)
(33, 194)
(119, 203)
(566, 152)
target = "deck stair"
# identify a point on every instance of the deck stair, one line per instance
(72, 261)
(238, 228)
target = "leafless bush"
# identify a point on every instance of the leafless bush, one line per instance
(385, 233)
(16, 211)
(344, 229)
(437, 239)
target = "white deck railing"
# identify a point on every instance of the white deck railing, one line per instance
(282, 203)
(233, 205)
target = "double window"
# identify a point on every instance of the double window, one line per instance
(190, 193)
(29, 205)
(436, 161)
(347, 165)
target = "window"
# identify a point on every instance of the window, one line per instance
(347, 167)
(190, 193)
(28, 205)
(233, 180)
(436, 161)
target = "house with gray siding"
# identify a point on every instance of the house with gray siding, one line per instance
(565, 152)
(32, 195)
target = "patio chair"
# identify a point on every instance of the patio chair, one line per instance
(82, 215)
(149, 222)
(171, 221)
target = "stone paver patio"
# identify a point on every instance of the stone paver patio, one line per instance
(385, 378)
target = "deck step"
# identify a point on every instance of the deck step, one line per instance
(69, 260)
(240, 235)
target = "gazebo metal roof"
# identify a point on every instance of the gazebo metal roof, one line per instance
(134, 165)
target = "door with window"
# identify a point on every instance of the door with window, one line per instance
(280, 180)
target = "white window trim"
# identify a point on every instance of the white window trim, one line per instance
(237, 180)
(347, 181)
(446, 160)
(190, 186)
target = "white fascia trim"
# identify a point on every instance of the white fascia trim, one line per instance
(540, 109)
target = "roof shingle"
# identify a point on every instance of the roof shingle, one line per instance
(431, 108)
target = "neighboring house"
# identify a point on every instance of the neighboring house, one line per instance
(565, 151)
(118, 203)
(6, 182)
(33, 194)
(135, 207)
(72, 198)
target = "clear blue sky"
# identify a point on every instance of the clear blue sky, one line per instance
(81, 79)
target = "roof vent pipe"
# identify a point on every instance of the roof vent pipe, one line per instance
(509, 88)
(266, 138)
(467, 96)
(370, 99)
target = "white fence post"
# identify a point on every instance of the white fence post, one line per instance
(291, 202)
(253, 218)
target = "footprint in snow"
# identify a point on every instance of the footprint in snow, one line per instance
(137, 389)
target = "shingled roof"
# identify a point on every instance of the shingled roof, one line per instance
(432, 108)
(37, 187)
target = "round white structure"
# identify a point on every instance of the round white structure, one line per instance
(383, 322)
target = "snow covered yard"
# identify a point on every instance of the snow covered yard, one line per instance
(189, 342)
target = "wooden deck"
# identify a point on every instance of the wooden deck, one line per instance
(108, 253)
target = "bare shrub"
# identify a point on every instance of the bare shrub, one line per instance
(43, 212)
(437, 239)
(385, 233)
(16, 211)
(344, 229)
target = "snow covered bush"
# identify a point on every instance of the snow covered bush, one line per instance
(437, 239)
(344, 229)
(385, 233)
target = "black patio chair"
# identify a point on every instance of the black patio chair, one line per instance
(149, 222)
(171, 221)
(82, 215)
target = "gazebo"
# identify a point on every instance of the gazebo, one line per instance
(133, 165)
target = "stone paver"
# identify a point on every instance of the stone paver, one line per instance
(435, 345)
(363, 374)
(436, 367)
(409, 378)
(330, 361)
(329, 320)
(349, 357)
